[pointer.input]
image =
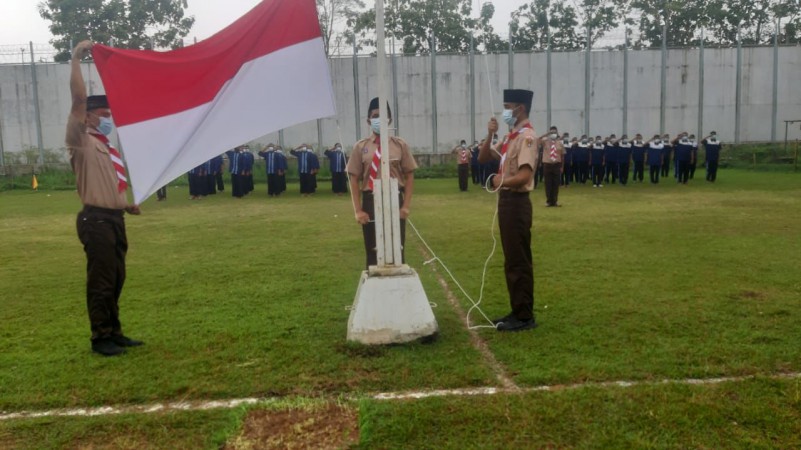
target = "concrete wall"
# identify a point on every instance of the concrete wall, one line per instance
(415, 106)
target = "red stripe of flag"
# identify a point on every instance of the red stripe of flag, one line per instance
(158, 84)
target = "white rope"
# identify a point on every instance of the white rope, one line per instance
(486, 262)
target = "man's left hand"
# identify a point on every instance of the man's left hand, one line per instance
(133, 209)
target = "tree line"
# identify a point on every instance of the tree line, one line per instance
(534, 25)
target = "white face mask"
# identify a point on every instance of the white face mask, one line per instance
(553, 136)
(375, 125)
(269, 149)
(106, 125)
(508, 117)
(338, 147)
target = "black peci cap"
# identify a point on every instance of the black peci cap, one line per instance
(96, 101)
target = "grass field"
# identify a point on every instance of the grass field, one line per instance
(248, 298)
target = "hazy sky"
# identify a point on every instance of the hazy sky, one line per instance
(20, 22)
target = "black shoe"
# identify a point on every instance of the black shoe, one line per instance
(123, 341)
(515, 324)
(502, 319)
(106, 347)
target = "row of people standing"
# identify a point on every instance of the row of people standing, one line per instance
(605, 160)
(205, 179)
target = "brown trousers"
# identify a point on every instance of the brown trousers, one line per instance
(514, 221)
(102, 233)
(552, 174)
(464, 172)
(368, 230)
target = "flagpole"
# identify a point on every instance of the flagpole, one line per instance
(387, 256)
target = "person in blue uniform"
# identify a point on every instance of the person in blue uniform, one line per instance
(235, 162)
(208, 179)
(667, 150)
(597, 160)
(624, 159)
(610, 159)
(307, 168)
(281, 167)
(581, 159)
(337, 163)
(271, 167)
(638, 158)
(217, 167)
(197, 182)
(694, 158)
(654, 155)
(475, 172)
(247, 168)
(567, 174)
(712, 156)
(682, 155)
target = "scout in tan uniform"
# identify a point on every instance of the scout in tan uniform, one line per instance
(101, 181)
(463, 156)
(514, 180)
(553, 158)
(401, 167)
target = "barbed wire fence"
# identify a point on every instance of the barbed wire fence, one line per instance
(25, 53)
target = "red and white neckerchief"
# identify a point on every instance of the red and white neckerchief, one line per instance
(116, 159)
(509, 138)
(553, 151)
(375, 163)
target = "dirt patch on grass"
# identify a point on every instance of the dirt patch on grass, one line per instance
(331, 426)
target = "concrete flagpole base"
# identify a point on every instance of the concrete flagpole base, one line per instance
(391, 307)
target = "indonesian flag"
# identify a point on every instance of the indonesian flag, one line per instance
(175, 110)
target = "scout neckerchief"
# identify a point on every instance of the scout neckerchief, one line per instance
(509, 138)
(375, 163)
(116, 159)
(553, 151)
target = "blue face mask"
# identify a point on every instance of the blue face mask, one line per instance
(508, 117)
(375, 125)
(106, 125)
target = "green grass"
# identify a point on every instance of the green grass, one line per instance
(248, 297)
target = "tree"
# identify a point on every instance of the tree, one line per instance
(684, 19)
(334, 15)
(412, 22)
(533, 22)
(139, 24)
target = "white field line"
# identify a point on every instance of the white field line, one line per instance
(200, 405)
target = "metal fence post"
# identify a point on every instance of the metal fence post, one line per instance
(626, 84)
(36, 111)
(472, 90)
(394, 68)
(548, 80)
(434, 143)
(358, 122)
(738, 90)
(774, 112)
(511, 62)
(663, 81)
(319, 134)
(587, 60)
(700, 132)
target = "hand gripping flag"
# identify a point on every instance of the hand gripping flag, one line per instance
(175, 110)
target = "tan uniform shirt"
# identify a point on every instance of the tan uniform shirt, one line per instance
(401, 161)
(95, 175)
(546, 151)
(522, 151)
(462, 154)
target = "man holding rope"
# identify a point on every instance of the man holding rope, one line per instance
(514, 181)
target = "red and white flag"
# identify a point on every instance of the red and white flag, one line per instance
(175, 110)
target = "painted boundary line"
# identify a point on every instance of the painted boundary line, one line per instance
(201, 405)
(478, 343)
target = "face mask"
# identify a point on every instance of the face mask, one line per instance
(685, 141)
(598, 142)
(303, 149)
(553, 136)
(625, 141)
(464, 145)
(106, 125)
(508, 117)
(375, 125)
(584, 141)
(338, 147)
(269, 149)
